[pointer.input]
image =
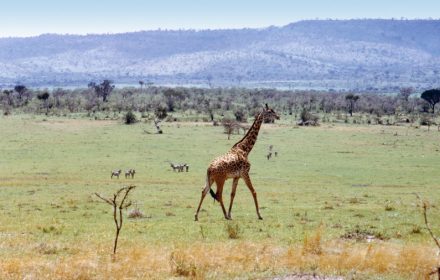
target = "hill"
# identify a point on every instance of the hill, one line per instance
(352, 54)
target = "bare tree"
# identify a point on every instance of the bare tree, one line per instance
(431, 233)
(229, 126)
(118, 202)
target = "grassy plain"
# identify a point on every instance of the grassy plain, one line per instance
(329, 188)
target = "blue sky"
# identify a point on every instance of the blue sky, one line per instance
(33, 17)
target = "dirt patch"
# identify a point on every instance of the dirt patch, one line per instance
(74, 125)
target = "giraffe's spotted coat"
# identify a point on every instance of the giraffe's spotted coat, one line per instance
(235, 165)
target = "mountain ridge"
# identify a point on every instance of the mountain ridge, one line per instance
(370, 53)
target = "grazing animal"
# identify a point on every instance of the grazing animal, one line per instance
(276, 154)
(186, 167)
(130, 173)
(181, 166)
(234, 164)
(175, 167)
(269, 155)
(116, 173)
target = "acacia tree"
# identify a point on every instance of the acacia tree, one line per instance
(103, 89)
(431, 96)
(141, 83)
(171, 96)
(229, 126)
(351, 102)
(404, 95)
(20, 89)
(8, 94)
(44, 97)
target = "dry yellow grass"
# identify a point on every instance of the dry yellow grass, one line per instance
(217, 260)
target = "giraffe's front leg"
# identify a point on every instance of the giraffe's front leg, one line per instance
(248, 182)
(234, 188)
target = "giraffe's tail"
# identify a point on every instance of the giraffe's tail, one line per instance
(211, 192)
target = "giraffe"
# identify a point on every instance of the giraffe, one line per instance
(235, 165)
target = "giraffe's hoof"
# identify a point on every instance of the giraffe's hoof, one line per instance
(260, 218)
(196, 219)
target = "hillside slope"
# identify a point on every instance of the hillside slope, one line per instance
(316, 53)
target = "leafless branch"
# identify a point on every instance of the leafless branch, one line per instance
(428, 227)
(121, 205)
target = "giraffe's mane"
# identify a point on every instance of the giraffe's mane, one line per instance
(249, 130)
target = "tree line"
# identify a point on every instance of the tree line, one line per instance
(214, 104)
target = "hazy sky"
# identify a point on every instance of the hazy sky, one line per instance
(33, 17)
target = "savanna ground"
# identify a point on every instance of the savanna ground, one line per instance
(338, 200)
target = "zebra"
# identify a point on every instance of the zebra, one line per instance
(181, 166)
(175, 167)
(116, 173)
(269, 155)
(130, 173)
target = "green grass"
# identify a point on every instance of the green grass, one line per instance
(339, 177)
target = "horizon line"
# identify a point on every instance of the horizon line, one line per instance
(212, 29)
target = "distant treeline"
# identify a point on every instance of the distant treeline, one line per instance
(211, 104)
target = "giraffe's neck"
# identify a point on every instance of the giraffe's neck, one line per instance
(247, 143)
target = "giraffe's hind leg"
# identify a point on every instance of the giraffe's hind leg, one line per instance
(204, 192)
(248, 182)
(234, 189)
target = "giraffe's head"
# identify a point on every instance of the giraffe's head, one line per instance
(269, 113)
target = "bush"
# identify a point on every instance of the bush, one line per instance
(135, 213)
(307, 118)
(130, 118)
(425, 120)
(240, 116)
(160, 112)
(233, 230)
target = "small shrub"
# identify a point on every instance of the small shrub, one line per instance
(354, 200)
(307, 118)
(182, 265)
(233, 230)
(135, 213)
(130, 118)
(52, 229)
(240, 115)
(160, 112)
(312, 244)
(46, 249)
(416, 229)
(389, 207)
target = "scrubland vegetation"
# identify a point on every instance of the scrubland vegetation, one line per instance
(338, 199)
